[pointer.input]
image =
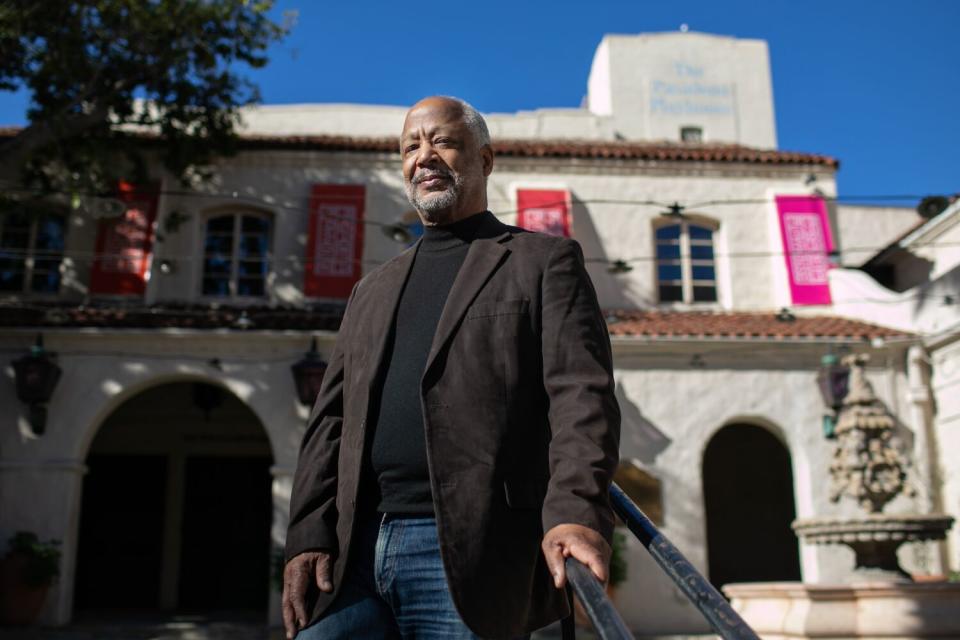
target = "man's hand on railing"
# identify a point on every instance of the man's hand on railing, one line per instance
(297, 574)
(580, 542)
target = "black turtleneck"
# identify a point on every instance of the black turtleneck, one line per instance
(398, 453)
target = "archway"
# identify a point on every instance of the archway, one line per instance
(748, 495)
(176, 508)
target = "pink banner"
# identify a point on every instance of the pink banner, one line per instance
(335, 240)
(807, 243)
(544, 210)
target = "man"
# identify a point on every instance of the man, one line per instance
(467, 408)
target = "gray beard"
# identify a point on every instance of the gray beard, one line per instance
(435, 206)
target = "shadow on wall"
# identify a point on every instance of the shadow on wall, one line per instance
(283, 194)
(613, 291)
(640, 439)
(935, 292)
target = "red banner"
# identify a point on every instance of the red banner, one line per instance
(124, 245)
(544, 210)
(805, 230)
(335, 240)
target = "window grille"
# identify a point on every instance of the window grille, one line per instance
(686, 265)
(31, 252)
(236, 255)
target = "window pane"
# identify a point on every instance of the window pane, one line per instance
(249, 264)
(218, 245)
(701, 251)
(250, 287)
(704, 294)
(704, 272)
(218, 256)
(13, 251)
(252, 268)
(216, 265)
(255, 224)
(691, 134)
(253, 246)
(45, 281)
(216, 287)
(668, 272)
(221, 224)
(671, 293)
(11, 275)
(48, 254)
(50, 234)
(700, 233)
(668, 250)
(669, 232)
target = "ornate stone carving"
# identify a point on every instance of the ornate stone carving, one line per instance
(869, 463)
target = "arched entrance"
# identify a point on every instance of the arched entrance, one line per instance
(748, 491)
(176, 506)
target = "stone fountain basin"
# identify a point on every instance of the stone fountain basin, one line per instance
(873, 528)
(891, 611)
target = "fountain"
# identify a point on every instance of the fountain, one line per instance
(878, 599)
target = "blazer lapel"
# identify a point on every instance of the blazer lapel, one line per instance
(386, 295)
(483, 258)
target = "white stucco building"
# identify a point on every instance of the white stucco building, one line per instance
(176, 324)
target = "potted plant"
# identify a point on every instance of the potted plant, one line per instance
(26, 573)
(618, 562)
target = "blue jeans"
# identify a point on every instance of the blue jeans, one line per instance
(394, 587)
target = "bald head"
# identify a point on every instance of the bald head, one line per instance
(447, 157)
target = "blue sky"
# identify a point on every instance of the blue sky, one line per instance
(873, 83)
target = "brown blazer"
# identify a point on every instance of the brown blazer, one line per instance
(521, 425)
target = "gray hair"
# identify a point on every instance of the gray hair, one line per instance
(474, 121)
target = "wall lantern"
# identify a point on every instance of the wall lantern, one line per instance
(308, 375)
(832, 379)
(37, 376)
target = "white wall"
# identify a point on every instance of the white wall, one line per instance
(41, 477)
(609, 218)
(640, 87)
(866, 229)
(653, 84)
(767, 384)
(931, 312)
(670, 412)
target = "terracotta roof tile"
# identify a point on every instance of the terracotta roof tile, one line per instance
(118, 316)
(652, 324)
(745, 325)
(585, 149)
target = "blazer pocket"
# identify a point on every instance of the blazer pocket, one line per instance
(524, 493)
(498, 308)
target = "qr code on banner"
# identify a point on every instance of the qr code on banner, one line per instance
(806, 248)
(548, 221)
(336, 235)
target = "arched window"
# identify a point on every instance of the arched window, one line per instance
(236, 255)
(31, 251)
(686, 266)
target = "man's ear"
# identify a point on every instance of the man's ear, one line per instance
(486, 152)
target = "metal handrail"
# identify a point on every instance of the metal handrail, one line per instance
(605, 618)
(714, 607)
